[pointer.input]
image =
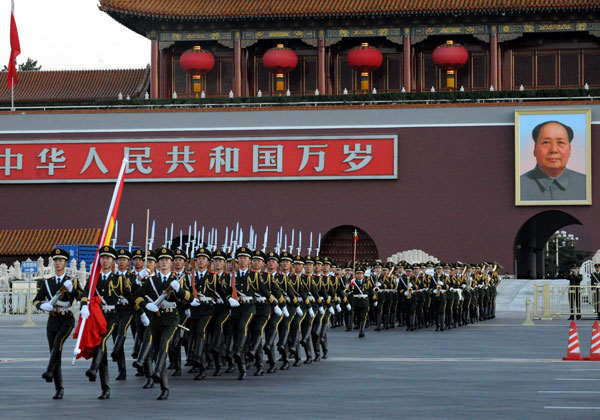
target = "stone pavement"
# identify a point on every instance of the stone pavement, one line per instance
(496, 369)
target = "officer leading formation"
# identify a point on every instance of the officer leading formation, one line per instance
(266, 311)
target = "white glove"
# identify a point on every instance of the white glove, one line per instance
(233, 303)
(375, 303)
(378, 284)
(285, 311)
(175, 285)
(187, 312)
(69, 285)
(143, 273)
(406, 293)
(321, 310)
(195, 302)
(440, 283)
(277, 310)
(463, 286)
(409, 285)
(123, 301)
(84, 311)
(331, 311)
(145, 320)
(46, 306)
(311, 312)
(348, 306)
(151, 307)
(338, 308)
(299, 311)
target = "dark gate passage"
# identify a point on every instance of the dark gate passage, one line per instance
(338, 245)
(531, 240)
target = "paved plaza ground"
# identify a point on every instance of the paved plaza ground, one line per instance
(494, 370)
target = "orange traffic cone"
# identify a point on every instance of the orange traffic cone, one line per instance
(595, 350)
(573, 351)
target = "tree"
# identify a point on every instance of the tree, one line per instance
(568, 256)
(29, 65)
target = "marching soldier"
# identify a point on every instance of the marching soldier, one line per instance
(595, 281)
(348, 315)
(139, 274)
(362, 293)
(221, 311)
(160, 296)
(180, 259)
(293, 303)
(305, 312)
(439, 291)
(56, 296)
(112, 289)
(316, 309)
(272, 278)
(124, 314)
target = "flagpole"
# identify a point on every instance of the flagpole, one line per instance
(12, 94)
(104, 240)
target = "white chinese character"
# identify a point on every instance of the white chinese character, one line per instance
(138, 159)
(8, 166)
(52, 157)
(185, 161)
(93, 157)
(224, 156)
(306, 153)
(364, 157)
(267, 158)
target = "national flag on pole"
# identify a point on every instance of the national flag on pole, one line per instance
(15, 48)
(90, 338)
(355, 236)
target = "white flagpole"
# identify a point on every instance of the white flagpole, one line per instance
(12, 79)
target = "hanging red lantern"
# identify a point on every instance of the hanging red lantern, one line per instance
(365, 59)
(280, 60)
(197, 62)
(450, 57)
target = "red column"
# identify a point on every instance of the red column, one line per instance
(154, 70)
(166, 73)
(494, 61)
(321, 66)
(237, 67)
(407, 64)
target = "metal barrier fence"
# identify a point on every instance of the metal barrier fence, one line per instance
(552, 301)
(14, 302)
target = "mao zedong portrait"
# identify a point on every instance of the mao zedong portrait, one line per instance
(551, 179)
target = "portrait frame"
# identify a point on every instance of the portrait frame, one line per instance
(579, 161)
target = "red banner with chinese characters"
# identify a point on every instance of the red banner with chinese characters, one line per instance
(194, 159)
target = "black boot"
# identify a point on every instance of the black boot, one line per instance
(260, 371)
(378, 321)
(117, 348)
(55, 355)
(92, 372)
(122, 370)
(241, 365)
(142, 356)
(164, 386)
(324, 347)
(57, 375)
(147, 369)
(104, 379)
(361, 332)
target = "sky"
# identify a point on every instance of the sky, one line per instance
(71, 34)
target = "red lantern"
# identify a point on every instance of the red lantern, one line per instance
(197, 62)
(365, 59)
(450, 57)
(280, 60)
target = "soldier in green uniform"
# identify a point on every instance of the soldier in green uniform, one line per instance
(300, 289)
(178, 267)
(333, 301)
(440, 297)
(316, 309)
(111, 288)
(240, 296)
(221, 311)
(124, 314)
(387, 294)
(143, 363)
(60, 317)
(271, 277)
(362, 293)
(451, 298)
(205, 292)
(574, 294)
(139, 274)
(325, 302)
(411, 298)
(348, 314)
(294, 311)
(164, 290)
(201, 259)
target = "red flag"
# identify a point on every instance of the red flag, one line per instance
(15, 48)
(355, 237)
(96, 326)
(94, 271)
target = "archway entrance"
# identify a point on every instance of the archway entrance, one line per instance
(339, 246)
(531, 240)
